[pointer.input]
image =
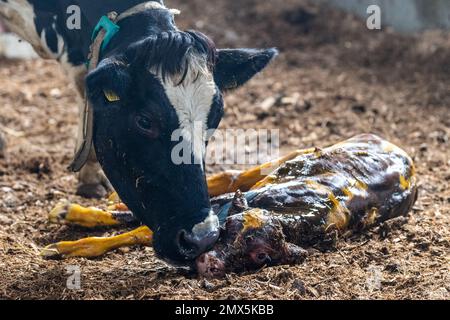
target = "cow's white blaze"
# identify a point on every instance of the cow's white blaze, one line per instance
(192, 101)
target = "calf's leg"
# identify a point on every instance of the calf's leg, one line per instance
(96, 246)
(91, 217)
(116, 214)
(232, 181)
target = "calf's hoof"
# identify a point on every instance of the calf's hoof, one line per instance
(93, 191)
(85, 248)
(59, 213)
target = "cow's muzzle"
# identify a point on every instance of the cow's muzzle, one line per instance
(192, 246)
(201, 238)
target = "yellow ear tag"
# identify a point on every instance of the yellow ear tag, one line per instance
(111, 96)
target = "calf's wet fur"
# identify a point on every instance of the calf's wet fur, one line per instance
(348, 187)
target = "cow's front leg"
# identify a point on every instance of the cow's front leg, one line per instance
(2, 145)
(97, 246)
(92, 181)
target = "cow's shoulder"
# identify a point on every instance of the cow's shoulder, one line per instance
(36, 22)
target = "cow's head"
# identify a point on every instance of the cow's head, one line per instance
(153, 105)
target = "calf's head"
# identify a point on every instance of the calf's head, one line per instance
(249, 241)
(153, 105)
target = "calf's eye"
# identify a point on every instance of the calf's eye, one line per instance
(263, 257)
(260, 257)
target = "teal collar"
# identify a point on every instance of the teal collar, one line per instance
(110, 28)
(108, 23)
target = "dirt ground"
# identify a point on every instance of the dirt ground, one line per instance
(340, 80)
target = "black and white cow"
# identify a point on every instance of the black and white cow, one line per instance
(152, 80)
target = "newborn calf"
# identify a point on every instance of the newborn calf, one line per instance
(348, 187)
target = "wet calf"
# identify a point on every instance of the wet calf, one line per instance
(348, 187)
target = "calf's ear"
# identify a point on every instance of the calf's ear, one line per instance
(234, 67)
(110, 80)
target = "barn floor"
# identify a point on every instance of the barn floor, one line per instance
(348, 80)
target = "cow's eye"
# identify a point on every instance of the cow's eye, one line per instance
(145, 125)
(111, 96)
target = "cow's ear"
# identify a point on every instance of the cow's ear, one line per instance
(111, 81)
(234, 67)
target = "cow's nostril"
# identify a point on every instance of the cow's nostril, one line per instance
(187, 246)
(191, 247)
